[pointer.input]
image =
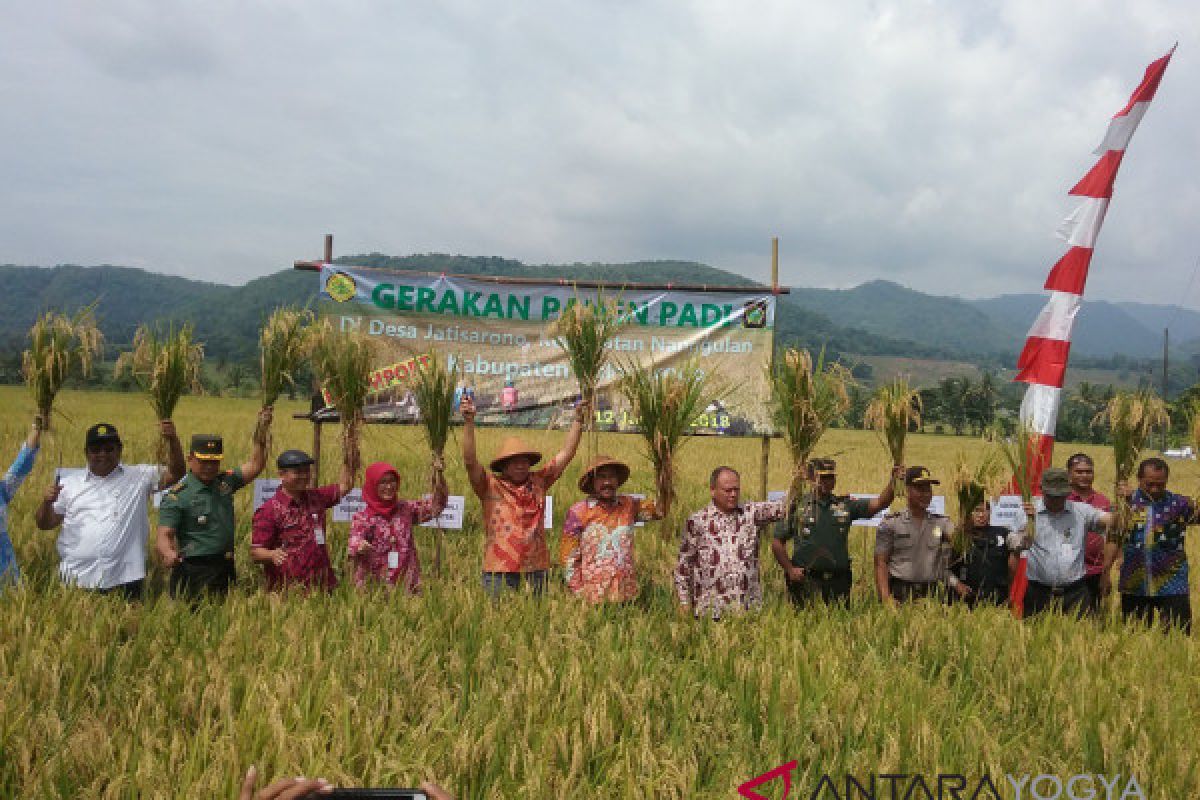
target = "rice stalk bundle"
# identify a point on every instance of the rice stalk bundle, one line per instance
(165, 365)
(284, 345)
(807, 399)
(343, 362)
(583, 330)
(433, 386)
(666, 403)
(894, 408)
(59, 347)
(1022, 453)
(972, 486)
(1131, 417)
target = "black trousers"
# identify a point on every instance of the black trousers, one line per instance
(131, 591)
(988, 596)
(199, 575)
(907, 591)
(831, 588)
(1073, 598)
(1173, 610)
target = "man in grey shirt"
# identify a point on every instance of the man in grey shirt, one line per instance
(1055, 554)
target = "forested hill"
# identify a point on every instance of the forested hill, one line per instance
(878, 318)
(227, 318)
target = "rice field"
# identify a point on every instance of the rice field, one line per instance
(547, 698)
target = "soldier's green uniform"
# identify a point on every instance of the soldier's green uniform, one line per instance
(821, 527)
(201, 514)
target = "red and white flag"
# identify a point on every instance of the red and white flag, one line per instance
(1043, 361)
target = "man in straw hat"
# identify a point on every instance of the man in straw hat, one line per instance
(717, 570)
(597, 540)
(103, 512)
(820, 523)
(514, 503)
(913, 547)
(196, 522)
(1055, 563)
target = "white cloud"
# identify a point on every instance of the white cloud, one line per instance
(931, 143)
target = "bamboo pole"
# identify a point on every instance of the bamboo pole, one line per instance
(765, 463)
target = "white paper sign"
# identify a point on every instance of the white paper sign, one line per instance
(1007, 512)
(350, 505)
(452, 517)
(937, 506)
(549, 521)
(264, 490)
(71, 472)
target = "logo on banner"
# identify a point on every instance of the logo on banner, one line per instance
(756, 314)
(341, 287)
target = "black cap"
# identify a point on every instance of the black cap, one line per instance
(101, 433)
(823, 466)
(207, 447)
(914, 475)
(290, 459)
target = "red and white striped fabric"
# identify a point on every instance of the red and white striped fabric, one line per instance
(1043, 361)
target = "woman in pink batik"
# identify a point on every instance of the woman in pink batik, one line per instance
(381, 546)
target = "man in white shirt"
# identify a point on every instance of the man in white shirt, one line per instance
(1055, 562)
(103, 513)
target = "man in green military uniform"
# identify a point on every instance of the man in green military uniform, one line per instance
(913, 548)
(820, 523)
(195, 520)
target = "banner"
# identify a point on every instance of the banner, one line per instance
(497, 335)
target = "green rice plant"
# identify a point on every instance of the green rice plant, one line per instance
(284, 344)
(59, 346)
(434, 385)
(1130, 418)
(807, 399)
(1022, 453)
(583, 330)
(165, 364)
(343, 361)
(973, 485)
(666, 402)
(894, 409)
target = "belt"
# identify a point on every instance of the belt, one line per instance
(215, 558)
(1059, 591)
(826, 574)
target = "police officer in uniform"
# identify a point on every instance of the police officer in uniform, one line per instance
(196, 522)
(819, 567)
(913, 547)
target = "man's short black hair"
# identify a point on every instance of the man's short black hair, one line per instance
(716, 473)
(1153, 462)
(1075, 459)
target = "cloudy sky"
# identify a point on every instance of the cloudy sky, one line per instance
(930, 143)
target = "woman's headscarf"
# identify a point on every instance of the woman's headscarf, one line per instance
(371, 489)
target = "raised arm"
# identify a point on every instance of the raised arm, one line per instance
(475, 471)
(253, 467)
(887, 494)
(176, 464)
(46, 518)
(563, 457)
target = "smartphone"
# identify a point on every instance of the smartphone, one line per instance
(377, 794)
